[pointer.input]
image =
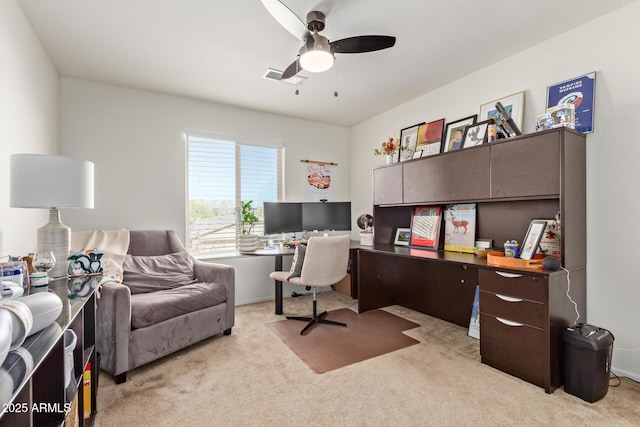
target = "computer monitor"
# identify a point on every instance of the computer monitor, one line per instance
(282, 217)
(326, 216)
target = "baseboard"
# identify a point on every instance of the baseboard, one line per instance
(622, 373)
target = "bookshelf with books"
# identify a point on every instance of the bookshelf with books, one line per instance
(44, 395)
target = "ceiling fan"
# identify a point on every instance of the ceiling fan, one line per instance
(317, 53)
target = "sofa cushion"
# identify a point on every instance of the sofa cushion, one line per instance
(154, 307)
(144, 274)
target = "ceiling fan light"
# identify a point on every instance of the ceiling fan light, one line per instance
(316, 61)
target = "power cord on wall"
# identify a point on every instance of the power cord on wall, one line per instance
(613, 376)
(575, 306)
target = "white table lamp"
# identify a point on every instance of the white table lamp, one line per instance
(51, 182)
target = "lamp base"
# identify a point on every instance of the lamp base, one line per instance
(54, 236)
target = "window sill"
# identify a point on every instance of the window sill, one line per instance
(214, 258)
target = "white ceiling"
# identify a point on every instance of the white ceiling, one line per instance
(218, 50)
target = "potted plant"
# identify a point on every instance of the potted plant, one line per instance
(246, 240)
(388, 148)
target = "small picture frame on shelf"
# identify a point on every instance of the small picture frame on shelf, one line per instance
(430, 137)
(403, 236)
(476, 134)
(532, 238)
(454, 136)
(425, 227)
(408, 141)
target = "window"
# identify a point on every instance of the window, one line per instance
(221, 173)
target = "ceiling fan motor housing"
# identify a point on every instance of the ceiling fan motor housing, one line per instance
(315, 21)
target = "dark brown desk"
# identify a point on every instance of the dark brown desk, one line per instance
(277, 253)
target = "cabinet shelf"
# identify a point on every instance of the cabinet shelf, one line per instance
(44, 386)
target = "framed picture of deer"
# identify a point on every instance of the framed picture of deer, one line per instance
(425, 227)
(460, 227)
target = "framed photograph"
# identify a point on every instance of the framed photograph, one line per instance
(454, 135)
(408, 140)
(403, 235)
(430, 137)
(417, 154)
(578, 92)
(514, 104)
(532, 239)
(476, 134)
(425, 227)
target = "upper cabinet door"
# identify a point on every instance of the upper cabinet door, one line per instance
(387, 185)
(464, 174)
(526, 167)
(421, 180)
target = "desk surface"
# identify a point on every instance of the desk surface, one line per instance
(290, 251)
(272, 252)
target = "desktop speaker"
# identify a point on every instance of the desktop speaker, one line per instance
(551, 263)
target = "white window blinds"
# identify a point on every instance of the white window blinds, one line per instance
(221, 174)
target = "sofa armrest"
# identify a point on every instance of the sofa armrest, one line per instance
(218, 273)
(113, 327)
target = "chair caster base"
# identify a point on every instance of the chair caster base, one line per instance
(313, 320)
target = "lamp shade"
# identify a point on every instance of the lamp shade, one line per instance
(317, 56)
(44, 181)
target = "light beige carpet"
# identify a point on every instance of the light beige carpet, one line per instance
(251, 378)
(328, 347)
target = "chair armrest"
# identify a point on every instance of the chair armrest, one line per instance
(113, 327)
(218, 273)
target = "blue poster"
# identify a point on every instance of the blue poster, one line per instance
(474, 323)
(579, 92)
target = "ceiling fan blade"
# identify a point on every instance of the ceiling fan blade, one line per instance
(359, 44)
(286, 18)
(291, 70)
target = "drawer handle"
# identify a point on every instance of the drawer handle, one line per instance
(508, 275)
(509, 299)
(508, 322)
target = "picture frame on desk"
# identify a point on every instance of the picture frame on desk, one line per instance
(426, 223)
(403, 236)
(460, 227)
(532, 238)
(550, 241)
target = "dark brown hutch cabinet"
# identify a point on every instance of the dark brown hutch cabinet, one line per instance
(523, 311)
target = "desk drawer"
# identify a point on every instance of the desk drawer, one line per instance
(526, 286)
(514, 348)
(530, 313)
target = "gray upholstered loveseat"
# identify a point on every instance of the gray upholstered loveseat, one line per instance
(167, 301)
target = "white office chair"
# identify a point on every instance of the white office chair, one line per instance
(325, 264)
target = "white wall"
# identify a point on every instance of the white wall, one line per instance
(137, 141)
(608, 46)
(28, 119)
